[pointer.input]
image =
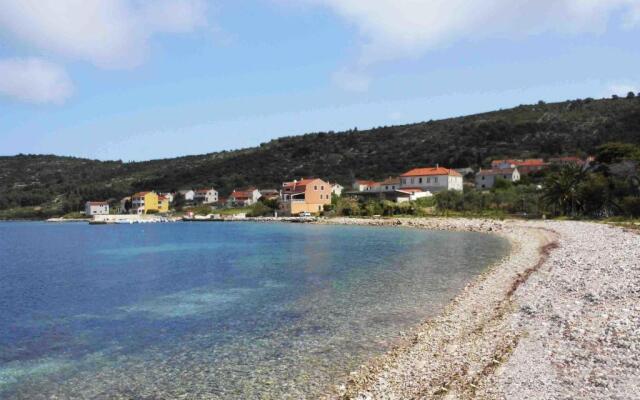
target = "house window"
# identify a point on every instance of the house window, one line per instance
(435, 179)
(412, 180)
(321, 187)
(419, 180)
(428, 180)
(483, 179)
(315, 188)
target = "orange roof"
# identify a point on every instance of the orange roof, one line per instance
(241, 194)
(301, 182)
(365, 182)
(299, 186)
(431, 171)
(140, 194)
(533, 162)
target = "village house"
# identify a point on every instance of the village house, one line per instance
(269, 194)
(306, 195)
(206, 196)
(525, 167)
(410, 194)
(390, 184)
(163, 203)
(96, 208)
(244, 197)
(486, 179)
(144, 202)
(337, 189)
(431, 179)
(188, 194)
(168, 195)
(361, 185)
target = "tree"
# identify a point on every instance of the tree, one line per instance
(630, 95)
(178, 201)
(615, 152)
(560, 189)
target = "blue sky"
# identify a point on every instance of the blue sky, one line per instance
(136, 80)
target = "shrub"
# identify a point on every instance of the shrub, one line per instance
(631, 206)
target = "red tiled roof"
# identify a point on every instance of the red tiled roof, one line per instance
(534, 162)
(301, 182)
(140, 194)
(241, 194)
(299, 186)
(365, 182)
(98, 203)
(431, 171)
(202, 190)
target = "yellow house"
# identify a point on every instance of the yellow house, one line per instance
(163, 204)
(143, 202)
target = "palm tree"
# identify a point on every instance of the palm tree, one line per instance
(560, 189)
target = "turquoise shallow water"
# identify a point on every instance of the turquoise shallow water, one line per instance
(214, 310)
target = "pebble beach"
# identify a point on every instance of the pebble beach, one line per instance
(558, 318)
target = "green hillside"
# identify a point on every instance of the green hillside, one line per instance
(61, 184)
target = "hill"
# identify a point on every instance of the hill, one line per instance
(60, 184)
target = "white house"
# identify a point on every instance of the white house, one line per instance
(206, 196)
(390, 184)
(187, 194)
(245, 197)
(337, 189)
(363, 185)
(486, 179)
(411, 194)
(431, 179)
(96, 208)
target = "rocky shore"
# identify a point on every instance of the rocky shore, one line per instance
(558, 318)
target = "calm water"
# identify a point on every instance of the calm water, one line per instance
(214, 310)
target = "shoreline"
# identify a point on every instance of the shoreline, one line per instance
(484, 342)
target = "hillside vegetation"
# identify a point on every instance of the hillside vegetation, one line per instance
(55, 184)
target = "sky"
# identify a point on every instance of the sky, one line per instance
(139, 80)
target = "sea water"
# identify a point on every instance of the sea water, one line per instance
(215, 310)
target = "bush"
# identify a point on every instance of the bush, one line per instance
(631, 206)
(260, 210)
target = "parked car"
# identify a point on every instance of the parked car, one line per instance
(304, 214)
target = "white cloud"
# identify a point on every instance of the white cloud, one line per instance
(107, 33)
(34, 80)
(400, 28)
